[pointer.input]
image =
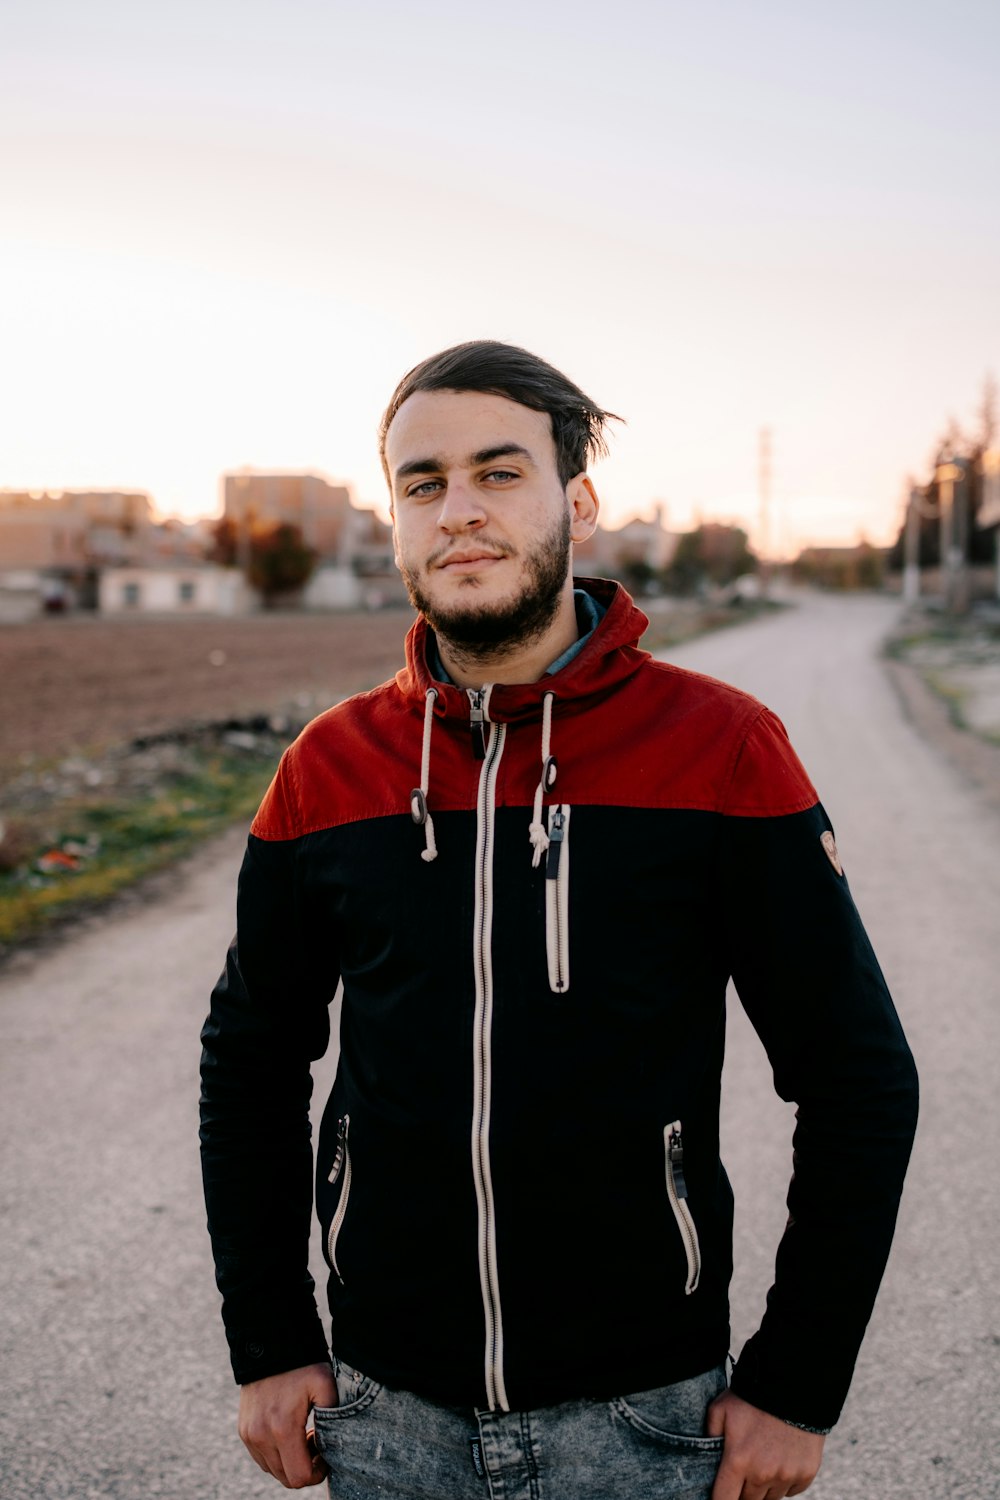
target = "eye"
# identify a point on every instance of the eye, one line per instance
(425, 488)
(501, 476)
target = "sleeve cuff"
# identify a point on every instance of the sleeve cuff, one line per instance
(257, 1353)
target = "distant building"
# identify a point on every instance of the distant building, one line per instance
(63, 538)
(174, 542)
(319, 509)
(614, 553)
(859, 567)
(101, 549)
(354, 547)
(192, 589)
(41, 531)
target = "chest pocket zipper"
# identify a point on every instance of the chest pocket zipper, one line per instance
(673, 1152)
(557, 898)
(341, 1168)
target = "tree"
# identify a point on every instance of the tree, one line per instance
(711, 554)
(224, 548)
(638, 575)
(279, 560)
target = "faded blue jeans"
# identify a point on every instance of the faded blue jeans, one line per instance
(646, 1446)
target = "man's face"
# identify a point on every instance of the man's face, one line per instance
(482, 523)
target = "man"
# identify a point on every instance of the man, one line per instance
(527, 1223)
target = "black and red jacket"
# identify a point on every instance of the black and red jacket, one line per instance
(535, 897)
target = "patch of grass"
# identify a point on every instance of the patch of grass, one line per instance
(123, 839)
(674, 628)
(124, 835)
(898, 647)
(936, 647)
(953, 697)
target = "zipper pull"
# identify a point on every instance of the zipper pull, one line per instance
(338, 1157)
(677, 1159)
(557, 832)
(477, 723)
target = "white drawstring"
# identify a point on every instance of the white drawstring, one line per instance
(536, 829)
(419, 810)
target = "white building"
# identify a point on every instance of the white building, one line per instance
(191, 590)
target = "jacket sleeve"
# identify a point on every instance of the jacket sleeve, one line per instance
(269, 1019)
(810, 984)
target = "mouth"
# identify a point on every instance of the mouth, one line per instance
(469, 561)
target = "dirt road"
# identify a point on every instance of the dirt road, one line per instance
(113, 1372)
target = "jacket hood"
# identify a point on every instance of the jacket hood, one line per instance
(610, 656)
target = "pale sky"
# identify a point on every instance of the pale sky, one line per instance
(228, 228)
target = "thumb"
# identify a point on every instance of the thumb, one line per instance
(715, 1418)
(323, 1387)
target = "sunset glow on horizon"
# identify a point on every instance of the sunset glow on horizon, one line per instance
(230, 229)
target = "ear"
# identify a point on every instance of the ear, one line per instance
(583, 507)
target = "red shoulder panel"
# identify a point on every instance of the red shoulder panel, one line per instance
(663, 738)
(768, 780)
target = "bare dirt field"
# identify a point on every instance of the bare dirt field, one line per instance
(81, 684)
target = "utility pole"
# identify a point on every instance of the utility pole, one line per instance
(911, 548)
(953, 505)
(764, 495)
(917, 509)
(989, 511)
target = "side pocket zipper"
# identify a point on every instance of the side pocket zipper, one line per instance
(673, 1152)
(341, 1166)
(557, 898)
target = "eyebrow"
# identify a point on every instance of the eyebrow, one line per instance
(484, 456)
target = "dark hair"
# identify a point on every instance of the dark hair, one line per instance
(504, 370)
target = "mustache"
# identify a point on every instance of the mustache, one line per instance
(488, 544)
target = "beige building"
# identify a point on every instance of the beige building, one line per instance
(319, 509)
(607, 554)
(355, 558)
(40, 532)
(69, 531)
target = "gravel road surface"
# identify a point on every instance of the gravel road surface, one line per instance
(113, 1370)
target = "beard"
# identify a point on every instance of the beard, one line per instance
(504, 626)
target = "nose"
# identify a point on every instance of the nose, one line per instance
(461, 509)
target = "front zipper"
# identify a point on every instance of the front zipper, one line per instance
(482, 1053)
(557, 898)
(341, 1166)
(478, 719)
(673, 1152)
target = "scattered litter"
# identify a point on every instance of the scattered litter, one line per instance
(146, 764)
(56, 861)
(68, 855)
(240, 739)
(82, 848)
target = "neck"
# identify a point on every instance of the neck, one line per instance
(512, 661)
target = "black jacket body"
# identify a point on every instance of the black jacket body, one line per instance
(518, 1171)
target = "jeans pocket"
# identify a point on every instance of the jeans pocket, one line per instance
(355, 1393)
(675, 1414)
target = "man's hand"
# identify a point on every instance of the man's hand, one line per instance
(763, 1458)
(273, 1416)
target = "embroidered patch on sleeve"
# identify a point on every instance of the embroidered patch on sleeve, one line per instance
(830, 847)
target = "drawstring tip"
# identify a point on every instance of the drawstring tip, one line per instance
(428, 854)
(539, 842)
